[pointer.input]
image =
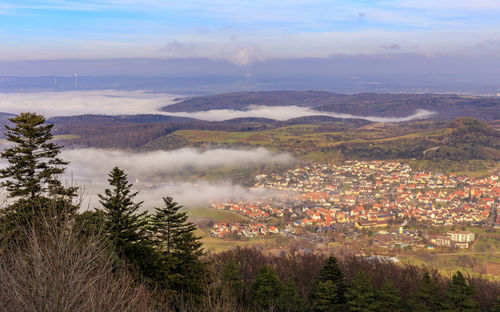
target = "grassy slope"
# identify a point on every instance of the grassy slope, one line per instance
(377, 141)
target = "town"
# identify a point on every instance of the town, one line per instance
(370, 196)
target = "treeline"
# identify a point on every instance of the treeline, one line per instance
(119, 258)
(313, 282)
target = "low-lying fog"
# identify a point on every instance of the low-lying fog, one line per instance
(152, 173)
(113, 102)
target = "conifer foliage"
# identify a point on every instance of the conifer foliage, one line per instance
(360, 295)
(459, 295)
(329, 290)
(427, 297)
(32, 178)
(34, 166)
(175, 239)
(265, 290)
(124, 223)
(388, 298)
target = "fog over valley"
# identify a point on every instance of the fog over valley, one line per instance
(153, 173)
(114, 102)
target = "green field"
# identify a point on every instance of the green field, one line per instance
(425, 145)
(205, 214)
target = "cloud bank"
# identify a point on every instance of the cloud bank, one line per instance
(89, 164)
(158, 174)
(110, 102)
(113, 102)
(289, 112)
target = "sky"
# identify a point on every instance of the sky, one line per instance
(244, 32)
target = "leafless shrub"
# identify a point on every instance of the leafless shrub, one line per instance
(58, 269)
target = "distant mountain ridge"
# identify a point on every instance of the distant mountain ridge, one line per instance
(363, 104)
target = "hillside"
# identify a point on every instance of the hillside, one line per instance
(428, 144)
(363, 104)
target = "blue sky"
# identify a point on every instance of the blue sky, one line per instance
(245, 31)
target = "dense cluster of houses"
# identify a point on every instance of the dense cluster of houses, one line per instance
(370, 194)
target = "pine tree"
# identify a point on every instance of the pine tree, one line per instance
(360, 295)
(34, 166)
(331, 272)
(32, 177)
(265, 290)
(388, 298)
(289, 299)
(427, 298)
(231, 278)
(181, 248)
(123, 223)
(323, 294)
(459, 295)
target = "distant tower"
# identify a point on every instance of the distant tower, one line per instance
(76, 80)
(55, 82)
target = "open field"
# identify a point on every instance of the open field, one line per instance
(206, 214)
(215, 245)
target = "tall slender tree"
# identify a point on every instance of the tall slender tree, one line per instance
(34, 166)
(266, 289)
(175, 239)
(230, 277)
(459, 295)
(32, 177)
(335, 290)
(360, 294)
(123, 222)
(324, 297)
(388, 299)
(427, 298)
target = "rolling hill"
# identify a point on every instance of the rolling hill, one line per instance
(363, 104)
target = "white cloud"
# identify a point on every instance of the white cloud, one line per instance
(87, 164)
(109, 102)
(114, 102)
(245, 55)
(152, 173)
(289, 112)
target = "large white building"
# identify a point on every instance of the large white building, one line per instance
(461, 236)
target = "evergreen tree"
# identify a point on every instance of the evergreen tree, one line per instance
(324, 294)
(181, 248)
(427, 298)
(388, 298)
(289, 299)
(360, 295)
(126, 228)
(459, 295)
(122, 221)
(231, 278)
(336, 289)
(32, 177)
(266, 289)
(34, 166)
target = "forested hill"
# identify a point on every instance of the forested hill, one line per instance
(364, 104)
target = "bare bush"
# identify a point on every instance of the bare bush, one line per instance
(58, 269)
